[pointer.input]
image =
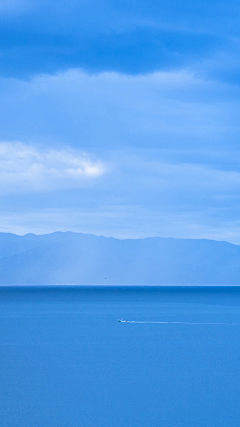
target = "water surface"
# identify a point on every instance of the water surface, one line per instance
(66, 361)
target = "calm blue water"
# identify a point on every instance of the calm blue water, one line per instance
(66, 361)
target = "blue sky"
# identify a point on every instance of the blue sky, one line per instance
(120, 118)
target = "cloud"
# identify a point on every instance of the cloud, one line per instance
(109, 110)
(141, 196)
(162, 184)
(25, 167)
(151, 87)
(98, 35)
(171, 138)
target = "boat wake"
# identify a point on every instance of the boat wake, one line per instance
(180, 323)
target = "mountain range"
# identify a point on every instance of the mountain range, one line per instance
(75, 258)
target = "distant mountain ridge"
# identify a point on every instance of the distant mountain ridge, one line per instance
(75, 258)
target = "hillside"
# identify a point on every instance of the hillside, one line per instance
(74, 258)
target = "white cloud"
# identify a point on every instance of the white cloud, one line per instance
(172, 138)
(25, 167)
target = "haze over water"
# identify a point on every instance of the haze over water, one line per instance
(66, 361)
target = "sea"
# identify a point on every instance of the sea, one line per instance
(67, 361)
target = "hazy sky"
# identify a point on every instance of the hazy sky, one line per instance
(120, 118)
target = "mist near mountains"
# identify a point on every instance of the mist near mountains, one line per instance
(82, 259)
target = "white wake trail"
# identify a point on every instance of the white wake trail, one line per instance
(182, 323)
